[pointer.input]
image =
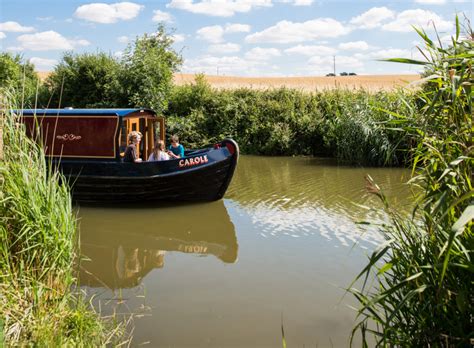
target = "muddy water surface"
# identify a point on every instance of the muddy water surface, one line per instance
(282, 244)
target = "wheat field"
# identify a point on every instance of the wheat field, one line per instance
(307, 83)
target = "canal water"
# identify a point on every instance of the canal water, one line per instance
(282, 245)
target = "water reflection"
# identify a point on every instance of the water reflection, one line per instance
(300, 197)
(177, 265)
(121, 246)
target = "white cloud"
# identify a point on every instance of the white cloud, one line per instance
(178, 38)
(108, 13)
(123, 39)
(160, 16)
(48, 40)
(224, 48)
(42, 64)
(391, 53)
(372, 18)
(237, 28)
(80, 42)
(354, 45)
(259, 53)
(118, 54)
(419, 18)
(298, 2)
(229, 65)
(431, 2)
(211, 34)
(44, 19)
(15, 27)
(218, 8)
(215, 33)
(2, 35)
(288, 32)
(311, 50)
(209, 64)
(303, 2)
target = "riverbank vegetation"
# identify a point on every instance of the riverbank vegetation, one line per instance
(38, 246)
(347, 124)
(424, 272)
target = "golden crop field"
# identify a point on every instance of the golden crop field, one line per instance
(309, 83)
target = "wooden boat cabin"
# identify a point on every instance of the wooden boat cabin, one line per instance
(93, 133)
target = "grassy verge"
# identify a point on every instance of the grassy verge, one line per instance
(38, 245)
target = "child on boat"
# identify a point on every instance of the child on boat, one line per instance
(175, 150)
(159, 153)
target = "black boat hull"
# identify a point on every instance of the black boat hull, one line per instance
(203, 175)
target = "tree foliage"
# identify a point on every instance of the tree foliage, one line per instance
(142, 77)
(18, 75)
(81, 80)
(146, 71)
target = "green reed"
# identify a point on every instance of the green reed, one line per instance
(423, 274)
(38, 245)
(350, 125)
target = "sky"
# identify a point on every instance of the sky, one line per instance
(236, 37)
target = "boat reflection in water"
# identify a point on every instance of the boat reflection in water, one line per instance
(120, 246)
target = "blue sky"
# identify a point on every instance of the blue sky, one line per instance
(235, 37)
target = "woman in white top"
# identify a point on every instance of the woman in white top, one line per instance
(158, 153)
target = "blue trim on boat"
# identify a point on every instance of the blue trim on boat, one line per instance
(82, 112)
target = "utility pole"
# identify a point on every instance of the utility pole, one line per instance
(334, 67)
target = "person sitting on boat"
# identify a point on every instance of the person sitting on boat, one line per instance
(175, 150)
(131, 153)
(159, 153)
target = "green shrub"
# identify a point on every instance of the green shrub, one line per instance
(20, 77)
(349, 125)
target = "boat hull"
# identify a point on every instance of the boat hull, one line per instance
(202, 175)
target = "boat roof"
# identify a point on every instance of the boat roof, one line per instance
(84, 112)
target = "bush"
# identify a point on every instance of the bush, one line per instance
(81, 81)
(146, 71)
(350, 125)
(20, 77)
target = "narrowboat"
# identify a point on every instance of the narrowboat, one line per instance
(88, 146)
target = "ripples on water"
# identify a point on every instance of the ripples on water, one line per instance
(223, 273)
(300, 197)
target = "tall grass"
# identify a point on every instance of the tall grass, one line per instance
(423, 274)
(347, 124)
(37, 249)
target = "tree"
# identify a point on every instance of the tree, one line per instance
(146, 71)
(81, 80)
(19, 76)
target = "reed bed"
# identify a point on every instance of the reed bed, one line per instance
(38, 246)
(421, 295)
